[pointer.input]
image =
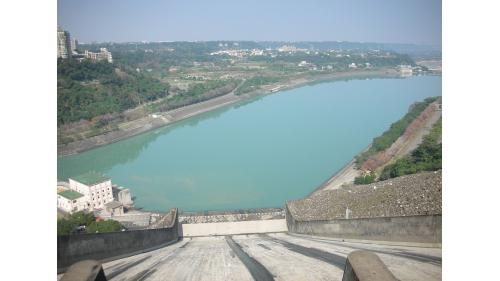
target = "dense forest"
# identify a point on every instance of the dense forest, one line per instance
(89, 89)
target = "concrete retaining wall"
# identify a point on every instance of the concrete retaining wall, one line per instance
(420, 229)
(109, 246)
(231, 228)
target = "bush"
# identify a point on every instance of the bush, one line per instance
(104, 226)
(366, 179)
(69, 226)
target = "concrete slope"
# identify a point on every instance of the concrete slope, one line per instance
(278, 256)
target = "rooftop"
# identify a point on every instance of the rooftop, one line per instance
(70, 194)
(90, 178)
(113, 204)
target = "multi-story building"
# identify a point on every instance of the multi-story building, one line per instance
(103, 54)
(74, 45)
(71, 201)
(95, 187)
(63, 44)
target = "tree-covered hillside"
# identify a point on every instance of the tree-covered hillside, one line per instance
(89, 89)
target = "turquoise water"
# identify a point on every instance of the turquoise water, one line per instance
(258, 153)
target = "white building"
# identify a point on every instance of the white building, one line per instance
(103, 54)
(95, 187)
(71, 201)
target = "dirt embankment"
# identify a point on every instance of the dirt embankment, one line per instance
(160, 119)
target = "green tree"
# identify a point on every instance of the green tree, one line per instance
(65, 227)
(104, 226)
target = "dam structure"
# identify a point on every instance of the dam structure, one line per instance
(309, 239)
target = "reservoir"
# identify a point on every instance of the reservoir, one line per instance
(255, 154)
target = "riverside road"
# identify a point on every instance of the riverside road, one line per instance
(277, 256)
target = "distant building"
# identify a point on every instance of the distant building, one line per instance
(71, 201)
(63, 44)
(289, 48)
(103, 54)
(74, 46)
(95, 187)
(406, 70)
(352, 65)
(303, 63)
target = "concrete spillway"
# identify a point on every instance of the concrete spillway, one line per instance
(278, 256)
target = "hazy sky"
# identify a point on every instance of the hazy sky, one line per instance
(385, 21)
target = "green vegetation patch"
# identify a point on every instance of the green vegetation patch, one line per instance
(254, 83)
(90, 178)
(426, 157)
(394, 132)
(87, 223)
(197, 93)
(89, 89)
(103, 226)
(366, 179)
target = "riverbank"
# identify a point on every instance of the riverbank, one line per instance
(161, 119)
(404, 145)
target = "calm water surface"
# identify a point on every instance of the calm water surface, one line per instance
(254, 154)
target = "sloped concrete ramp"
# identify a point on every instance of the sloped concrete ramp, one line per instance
(278, 256)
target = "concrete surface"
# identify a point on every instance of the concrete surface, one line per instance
(87, 270)
(420, 229)
(112, 245)
(366, 266)
(231, 228)
(283, 256)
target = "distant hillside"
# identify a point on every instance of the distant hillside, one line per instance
(86, 89)
(413, 50)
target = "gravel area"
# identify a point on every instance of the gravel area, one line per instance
(418, 194)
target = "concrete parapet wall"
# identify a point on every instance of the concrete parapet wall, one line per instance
(419, 229)
(366, 266)
(232, 228)
(112, 245)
